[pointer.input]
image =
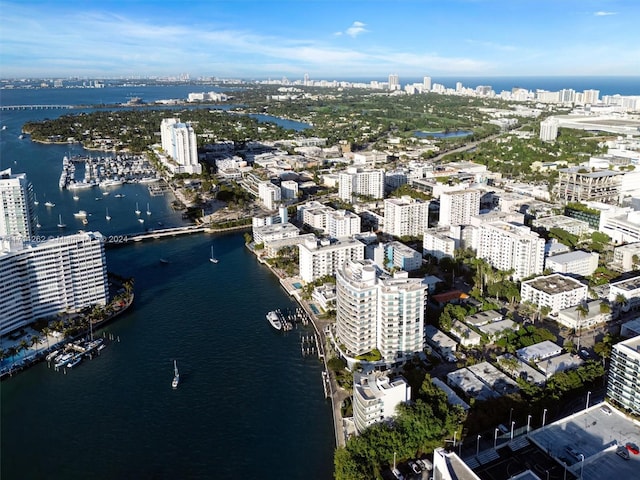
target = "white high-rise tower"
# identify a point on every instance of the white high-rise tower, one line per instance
(179, 142)
(17, 211)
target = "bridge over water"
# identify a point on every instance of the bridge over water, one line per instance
(36, 107)
(153, 234)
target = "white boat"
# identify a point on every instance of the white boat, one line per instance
(61, 361)
(111, 183)
(35, 200)
(141, 220)
(120, 195)
(52, 355)
(274, 320)
(76, 197)
(148, 211)
(107, 216)
(80, 214)
(176, 375)
(137, 209)
(60, 224)
(74, 361)
(49, 204)
(212, 259)
(85, 221)
(164, 261)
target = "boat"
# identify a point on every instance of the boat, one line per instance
(120, 195)
(274, 320)
(164, 261)
(141, 220)
(35, 200)
(49, 204)
(62, 360)
(76, 197)
(104, 194)
(74, 361)
(85, 221)
(107, 216)
(212, 259)
(148, 211)
(60, 224)
(80, 214)
(176, 375)
(52, 355)
(20, 136)
(137, 209)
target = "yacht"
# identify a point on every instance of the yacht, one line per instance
(49, 204)
(80, 214)
(137, 209)
(141, 220)
(35, 200)
(148, 210)
(107, 216)
(212, 259)
(76, 198)
(60, 224)
(176, 375)
(274, 320)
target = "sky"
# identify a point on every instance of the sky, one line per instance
(327, 39)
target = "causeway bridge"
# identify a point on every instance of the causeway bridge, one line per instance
(114, 240)
(36, 107)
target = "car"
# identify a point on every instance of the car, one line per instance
(584, 354)
(605, 409)
(623, 452)
(503, 429)
(573, 452)
(414, 467)
(633, 448)
(425, 464)
(396, 474)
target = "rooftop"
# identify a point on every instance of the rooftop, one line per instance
(556, 283)
(628, 285)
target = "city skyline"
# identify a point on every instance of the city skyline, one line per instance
(250, 39)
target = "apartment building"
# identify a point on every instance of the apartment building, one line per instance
(509, 246)
(376, 398)
(405, 216)
(578, 263)
(356, 182)
(42, 279)
(623, 388)
(554, 291)
(17, 209)
(457, 207)
(179, 142)
(321, 258)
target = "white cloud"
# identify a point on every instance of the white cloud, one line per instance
(356, 29)
(604, 14)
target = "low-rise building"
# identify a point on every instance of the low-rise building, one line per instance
(445, 345)
(578, 319)
(469, 383)
(568, 224)
(577, 263)
(516, 368)
(277, 231)
(320, 258)
(483, 318)
(539, 351)
(556, 291)
(559, 363)
(376, 398)
(494, 330)
(629, 290)
(627, 257)
(494, 378)
(466, 336)
(403, 257)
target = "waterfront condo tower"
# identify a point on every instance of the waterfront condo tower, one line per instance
(17, 210)
(179, 142)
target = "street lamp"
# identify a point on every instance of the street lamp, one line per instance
(512, 424)
(544, 416)
(528, 422)
(495, 438)
(478, 446)
(588, 395)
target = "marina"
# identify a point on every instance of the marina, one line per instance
(105, 171)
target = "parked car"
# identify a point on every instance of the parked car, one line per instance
(605, 409)
(503, 429)
(584, 354)
(633, 448)
(414, 467)
(623, 452)
(425, 464)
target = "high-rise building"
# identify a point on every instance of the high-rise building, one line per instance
(269, 194)
(357, 181)
(42, 279)
(426, 84)
(394, 82)
(17, 211)
(548, 130)
(508, 246)
(375, 310)
(457, 207)
(591, 96)
(343, 224)
(405, 216)
(179, 142)
(623, 388)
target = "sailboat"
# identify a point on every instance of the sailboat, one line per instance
(148, 211)
(76, 198)
(176, 375)
(108, 217)
(137, 209)
(213, 259)
(60, 224)
(35, 200)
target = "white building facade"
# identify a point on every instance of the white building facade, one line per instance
(376, 398)
(41, 279)
(17, 211)
(556, 291)
(179, 142)
(405, 217)
(457, 207)
(360, 182)
(269, 194)
(623, 388)
(319, 259)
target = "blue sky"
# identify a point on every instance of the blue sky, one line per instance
(325, 38)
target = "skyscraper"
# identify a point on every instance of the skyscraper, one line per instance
(427, 84)
(17, 211)
(179, 142)
(376, 310)
(394, 82)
